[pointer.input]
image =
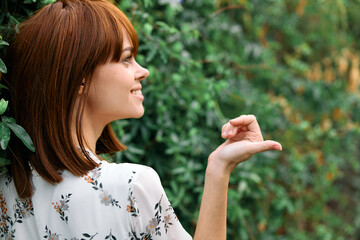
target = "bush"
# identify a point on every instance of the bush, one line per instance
(292, 63)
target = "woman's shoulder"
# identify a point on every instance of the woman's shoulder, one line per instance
(114, 170)
(119, 173)
(125, 167)
(131, 172)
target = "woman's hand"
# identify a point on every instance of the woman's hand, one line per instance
(243, 139)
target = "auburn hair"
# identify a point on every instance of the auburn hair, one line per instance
(54, 54)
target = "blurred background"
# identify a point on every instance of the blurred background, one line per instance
(292, 63)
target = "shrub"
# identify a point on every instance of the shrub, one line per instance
(292, 63)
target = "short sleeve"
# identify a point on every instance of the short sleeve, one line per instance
(151, 213)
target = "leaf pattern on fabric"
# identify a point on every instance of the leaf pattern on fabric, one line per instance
(154, 222)
(110, 236)
(132, 176)
(8, 180)
(55, 236)
(87, 236)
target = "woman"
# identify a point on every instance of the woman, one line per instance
(72, 70)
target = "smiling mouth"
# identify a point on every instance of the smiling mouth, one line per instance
(136, 92)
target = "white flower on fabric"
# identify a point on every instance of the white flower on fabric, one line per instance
(151, 227)
(25, 213)
(63, 205)
(8, 236)
(96, 174)
(167, 218)
(105, 198)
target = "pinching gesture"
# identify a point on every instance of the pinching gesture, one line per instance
(243, 139)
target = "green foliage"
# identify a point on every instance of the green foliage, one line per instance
(292, 63)
(2, 64)
(9, 123)
(20, 133)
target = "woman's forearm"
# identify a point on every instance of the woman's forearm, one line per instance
(212, 217)
(243, 139)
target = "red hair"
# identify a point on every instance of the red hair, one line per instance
(55, 52)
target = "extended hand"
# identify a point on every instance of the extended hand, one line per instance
(243, 139)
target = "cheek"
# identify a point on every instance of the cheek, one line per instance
(111, 87)
(112, 84)
(109, 94)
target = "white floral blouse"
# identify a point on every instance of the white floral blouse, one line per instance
(114, 201)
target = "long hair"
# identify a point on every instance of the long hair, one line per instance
(54, 54)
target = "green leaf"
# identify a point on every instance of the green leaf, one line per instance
(4, 162)
(22, 134)
(4, 135)
(3, 86)
(6, 119)
(148, 28)
(2, 66)
(2, 42)
(3, 106)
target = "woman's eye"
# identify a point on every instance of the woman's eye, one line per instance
(128, 58)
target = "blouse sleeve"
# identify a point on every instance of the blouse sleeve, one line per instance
(150, 211)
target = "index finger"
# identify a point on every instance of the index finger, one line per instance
(246, 120)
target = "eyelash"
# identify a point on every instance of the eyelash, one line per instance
(128, 58)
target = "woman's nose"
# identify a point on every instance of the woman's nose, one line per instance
(141, 73)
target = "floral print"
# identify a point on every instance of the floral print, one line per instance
(152, 227)
(167, 222)
(82, 208)
(22, 209)
(105, 198)
(5, 219)
(49, 235)
(131, 208)
(63, 206)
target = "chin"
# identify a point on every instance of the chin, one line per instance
(139, 114)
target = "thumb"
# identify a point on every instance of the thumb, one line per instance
(267, 145)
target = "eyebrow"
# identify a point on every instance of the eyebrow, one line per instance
(131, 49)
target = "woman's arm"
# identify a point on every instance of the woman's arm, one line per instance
(243, 139)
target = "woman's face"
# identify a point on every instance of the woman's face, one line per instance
(115, 90)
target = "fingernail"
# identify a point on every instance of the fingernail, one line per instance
(224, 133)
(231, 131)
